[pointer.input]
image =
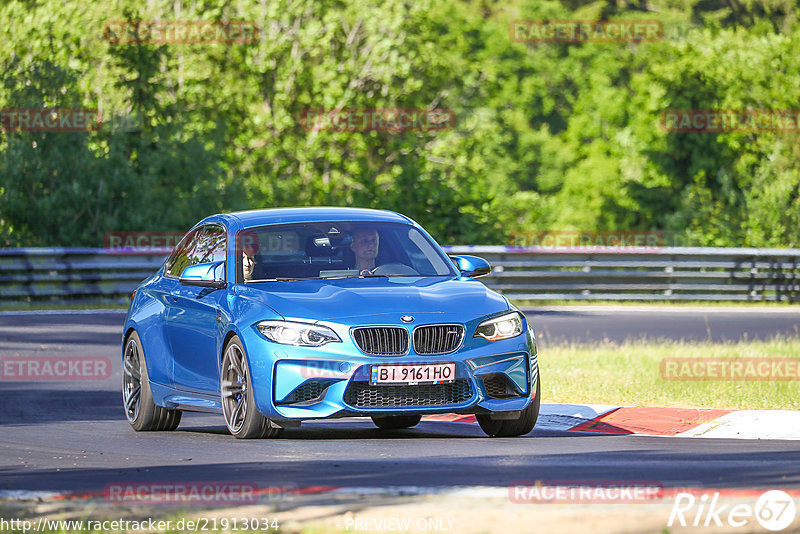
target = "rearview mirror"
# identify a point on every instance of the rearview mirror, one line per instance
(471, 266)
(205, 275)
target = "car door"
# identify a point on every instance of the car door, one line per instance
(160, 358)
(193, 319)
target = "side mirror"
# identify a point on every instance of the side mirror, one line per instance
(205, 275)
(471, 266)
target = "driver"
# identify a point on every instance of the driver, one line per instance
(365, 248)
(249, 252)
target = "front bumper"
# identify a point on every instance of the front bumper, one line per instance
(296, 383)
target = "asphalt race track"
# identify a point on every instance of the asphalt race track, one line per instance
(70, 436)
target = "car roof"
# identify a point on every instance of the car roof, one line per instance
(251, 218)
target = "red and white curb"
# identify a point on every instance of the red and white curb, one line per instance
(677, 422)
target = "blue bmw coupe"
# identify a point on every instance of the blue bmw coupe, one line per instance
(271, 317)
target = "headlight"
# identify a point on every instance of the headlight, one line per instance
(298, 334)
(503, 327)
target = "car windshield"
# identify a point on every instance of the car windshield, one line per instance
(337, 250)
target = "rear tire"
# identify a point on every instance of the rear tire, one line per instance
(514, 427)
(238, 404)
(395, 422)
(137, 397)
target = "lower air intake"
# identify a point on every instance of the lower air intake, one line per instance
(364, 395)
(309, 392)
(498, 386)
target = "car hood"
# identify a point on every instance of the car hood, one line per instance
(351, 300)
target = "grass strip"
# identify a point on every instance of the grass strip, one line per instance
(630, 374)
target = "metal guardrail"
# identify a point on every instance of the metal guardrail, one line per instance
(49, 275)
(45, 275)
(662, 274)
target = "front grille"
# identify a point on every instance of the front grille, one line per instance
(438, 338)
(365, 395)
(498, 386)
(382, 340)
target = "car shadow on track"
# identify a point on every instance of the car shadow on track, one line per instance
(24, 406)
(361, 429)
(352, 431)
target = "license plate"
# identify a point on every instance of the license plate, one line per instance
(428, 373)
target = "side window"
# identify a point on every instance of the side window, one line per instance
(204, 245)
(179, 259)
(210, 247)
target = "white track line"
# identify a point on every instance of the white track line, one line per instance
(761, 310)
(28, 495)
(750, 424)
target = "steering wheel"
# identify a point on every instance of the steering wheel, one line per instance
(394, 269)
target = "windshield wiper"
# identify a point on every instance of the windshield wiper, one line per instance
(279, 279)
(289, 279)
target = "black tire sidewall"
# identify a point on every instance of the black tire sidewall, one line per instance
(518, 427)
(254, 425)
(528, 418)
(148, 413)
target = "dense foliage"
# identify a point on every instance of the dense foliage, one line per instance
(547, 135)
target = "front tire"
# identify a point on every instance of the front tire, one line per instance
(238, 404)
(395, 422)
(137, 398)
(513, 427)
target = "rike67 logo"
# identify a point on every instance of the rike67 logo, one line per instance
(774, 510)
